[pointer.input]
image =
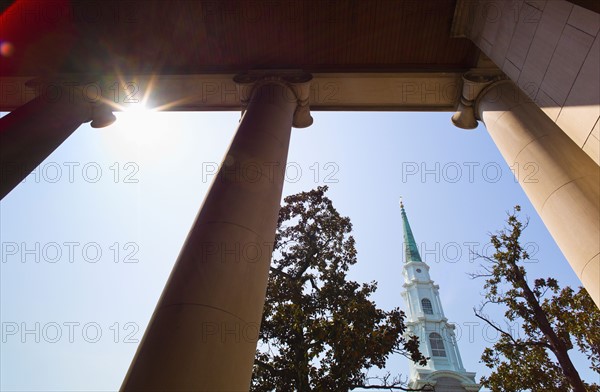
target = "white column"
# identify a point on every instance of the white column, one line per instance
(435, 293)
(203, 333)
(29, 134)
(561, 180)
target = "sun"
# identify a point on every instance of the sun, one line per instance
(146, 132)
(143, 132)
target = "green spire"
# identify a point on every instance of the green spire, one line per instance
(410, 246)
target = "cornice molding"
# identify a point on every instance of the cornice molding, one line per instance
(389, 91)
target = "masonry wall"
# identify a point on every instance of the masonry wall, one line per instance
(551, 49)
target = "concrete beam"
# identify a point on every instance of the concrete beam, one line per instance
(401, 91)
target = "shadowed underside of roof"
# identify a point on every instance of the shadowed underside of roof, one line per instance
(228, 36)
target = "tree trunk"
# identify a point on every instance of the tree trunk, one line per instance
(302, 383)
(558, 347)
(300, 349)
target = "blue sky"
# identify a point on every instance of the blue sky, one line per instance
(89, 238)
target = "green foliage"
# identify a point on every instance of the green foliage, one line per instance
(553, 321)
(319, 330)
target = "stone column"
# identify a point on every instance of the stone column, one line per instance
(560, 179)
(29, 134)
(204, 330)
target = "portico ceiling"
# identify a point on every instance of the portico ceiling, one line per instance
(196, 40)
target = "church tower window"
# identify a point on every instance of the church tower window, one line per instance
(426, 305)
(437, 345)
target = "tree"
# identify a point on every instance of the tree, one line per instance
(553, 321)
(319, 330)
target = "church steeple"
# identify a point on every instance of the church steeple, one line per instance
(425, 319)
(411, 252)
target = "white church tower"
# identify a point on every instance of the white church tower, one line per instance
(425, 319)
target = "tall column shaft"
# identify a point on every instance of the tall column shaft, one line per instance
(203, 333)
(29, 134)
(561, 180)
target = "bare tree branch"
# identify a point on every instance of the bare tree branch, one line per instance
(526, 343)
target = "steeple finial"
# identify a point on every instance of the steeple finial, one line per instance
(411, 252)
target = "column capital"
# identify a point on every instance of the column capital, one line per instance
(298, 83)
(85, 91)
(476, 83)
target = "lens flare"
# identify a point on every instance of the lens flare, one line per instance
(6, 49)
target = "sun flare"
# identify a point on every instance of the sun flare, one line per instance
(144, 131)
